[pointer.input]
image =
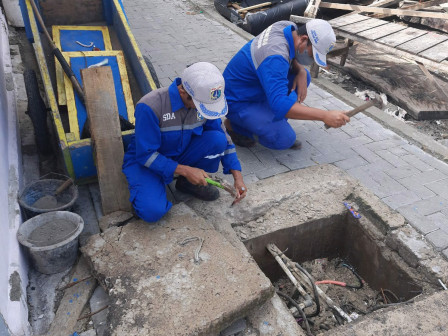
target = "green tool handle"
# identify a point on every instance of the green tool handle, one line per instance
(213, 182)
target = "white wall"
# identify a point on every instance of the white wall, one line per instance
(13, 268)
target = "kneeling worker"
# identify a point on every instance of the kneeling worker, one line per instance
(178, 131)
(266, 82)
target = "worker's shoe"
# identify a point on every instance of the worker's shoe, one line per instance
(241, 140)
(205, 193)
(296, 145)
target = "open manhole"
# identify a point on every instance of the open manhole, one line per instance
(336, 248)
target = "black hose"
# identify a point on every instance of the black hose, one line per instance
(295, 304)
(372, 309)
(361, 282)
(316, 296)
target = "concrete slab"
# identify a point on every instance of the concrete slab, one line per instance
(425, 317)
(155, 286)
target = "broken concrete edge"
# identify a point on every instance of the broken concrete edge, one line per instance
(378, 212)
(425, 142)
(117, 218)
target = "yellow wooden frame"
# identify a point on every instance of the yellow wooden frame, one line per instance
(56, 31)
(70, 95)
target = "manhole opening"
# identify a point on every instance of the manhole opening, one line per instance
(338, 246)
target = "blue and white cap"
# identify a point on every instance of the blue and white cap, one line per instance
(205, 84)
(322, 38)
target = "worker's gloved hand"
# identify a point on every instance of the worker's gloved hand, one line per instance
(336, 118)
(300, 85)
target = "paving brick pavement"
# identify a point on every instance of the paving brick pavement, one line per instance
(175, 33)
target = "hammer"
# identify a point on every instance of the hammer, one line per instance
(376, 101)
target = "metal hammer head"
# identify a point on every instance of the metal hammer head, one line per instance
(379, 100)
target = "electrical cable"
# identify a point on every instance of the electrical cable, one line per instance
(295, 304)
(352, 269)
(316, 296)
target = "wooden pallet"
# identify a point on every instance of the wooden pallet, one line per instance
(428, 48)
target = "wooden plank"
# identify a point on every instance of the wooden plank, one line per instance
(418, 6)
(73, 302)
(430, 64)
(381, 31)
(102, 111)
(347, 19)
(423, 42)
(401, 37)
(312, 8)
(383, 10)
(437, 53)
(364, 25)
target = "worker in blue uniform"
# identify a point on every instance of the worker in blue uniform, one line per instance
(266, 82)
(178, 131)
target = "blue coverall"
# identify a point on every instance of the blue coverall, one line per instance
(258, 87)
(168, 134)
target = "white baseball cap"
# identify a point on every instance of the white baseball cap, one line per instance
(205, 84)
(322, 38)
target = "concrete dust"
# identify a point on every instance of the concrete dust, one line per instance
(355, 302)
(52, 232)
(46, 202)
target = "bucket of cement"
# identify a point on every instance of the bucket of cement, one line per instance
(40, 196)
(51, 240)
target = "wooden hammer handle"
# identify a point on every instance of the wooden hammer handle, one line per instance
(356, 110)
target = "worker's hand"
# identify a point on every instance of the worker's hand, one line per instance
(240, 187)
(336, 118)
(194, 175)
(300, 85)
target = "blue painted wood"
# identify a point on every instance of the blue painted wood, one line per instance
(69, 37)
(78, 63)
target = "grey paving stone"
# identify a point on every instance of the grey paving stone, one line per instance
(427, 206)
(355, 141)
(391, 158)
(374, 133)
(439, 187)
(445, 253)
(271, 171)
(418, 188)
(398, 151)
(353, 131)
(413, 160)
(440, 219)
(438, 238)
(403, 198)
(366, 153)
(384, 144)
(328, 158)
(423, 178)
(417, 220)
(402, 172)
(352, 162)
(294, 163)
(437, 164)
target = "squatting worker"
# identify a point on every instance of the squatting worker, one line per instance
(178, 131)
(266, 82)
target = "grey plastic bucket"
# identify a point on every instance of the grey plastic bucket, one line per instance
(56, 256)
(47, 187)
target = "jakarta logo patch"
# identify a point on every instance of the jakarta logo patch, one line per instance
(216, 93)
(199, 116)
(330, 47)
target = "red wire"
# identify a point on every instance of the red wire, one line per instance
(331, 282)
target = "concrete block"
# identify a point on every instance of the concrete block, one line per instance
(438, 238)
(424, 317)
(374, 134)
(328, 158)
(398, 151)
(352, 162)
(418, 221)
(358, 139)
(414, 185)
(439, 187)
(410, 245)
(148, 273)
(117, 218)
(401, 199)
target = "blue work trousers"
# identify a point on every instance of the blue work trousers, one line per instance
(147, 189)
(256, 120)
